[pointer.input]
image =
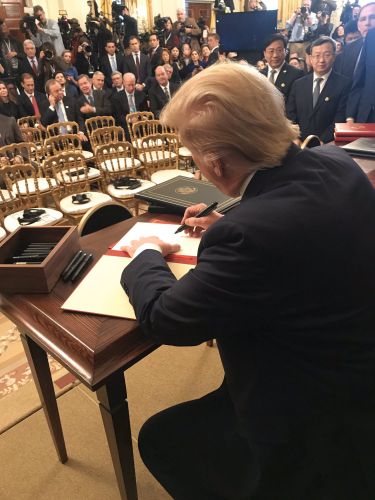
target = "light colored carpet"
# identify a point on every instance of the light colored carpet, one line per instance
(30, 470)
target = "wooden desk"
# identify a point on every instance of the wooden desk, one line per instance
(96, 349)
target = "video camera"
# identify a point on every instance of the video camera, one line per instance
(28, 24)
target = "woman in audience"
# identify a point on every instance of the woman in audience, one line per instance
(167, 59)
(8, 105)
(339, 33)
(176, 57)
(339, 46)
(170, 37)
(195, 66)
(261, 65)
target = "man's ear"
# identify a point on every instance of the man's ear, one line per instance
(218, 165)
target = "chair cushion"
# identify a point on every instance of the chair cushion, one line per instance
(2, 233)
(42, 185)
(49, 218)
(156, 156)
(185, 152)
(87, 154)
(119, 164)
(128, 193)
(93, 173)
(137, 143)
(168, 174)
(70, 208)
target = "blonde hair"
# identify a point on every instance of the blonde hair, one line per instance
(232, 107)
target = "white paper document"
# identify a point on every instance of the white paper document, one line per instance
(189, 245)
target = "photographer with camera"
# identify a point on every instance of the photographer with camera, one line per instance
(188, 30)
(47, 30)
(86, 60)
(302, 23)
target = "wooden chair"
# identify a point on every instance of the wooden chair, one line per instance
(116, 161)
(29, 121)
(56, 128)
(159, 151)
(69, 169)
(34, 137)
(65, 142)
(102, 216)
(142, 129)
(311, 141)
(137, 116)
(98, 122)
(21, 152)
(26, 191)
(106, 135)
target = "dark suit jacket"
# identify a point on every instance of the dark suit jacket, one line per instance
(72, 113)
(346, 61)
(144, 67)
(330, 108)
(155, 60)
(213, 57)
(25, 106)
(120, 106)
(284, 81)
(106, 68)
(157, 97)
(10, 132)
(286, 284)
(361, 101)
(25, 67)
(101, 103)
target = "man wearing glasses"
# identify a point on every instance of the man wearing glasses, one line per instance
(318, 100)
(278, 72)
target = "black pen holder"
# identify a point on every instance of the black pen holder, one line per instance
(36, 278)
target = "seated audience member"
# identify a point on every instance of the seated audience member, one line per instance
(339, 47)
(117, 85)
(31, 102)
(161, 92)
(98, 81)
(187, 29)
(154, 51)
(92, 102)
(167, 60)
(68, 88)
(185, 53)
(213, 42)
(318, 100)
(172, 75)
(32, 65)
(111, 62)
(8, 105)
(176, 57)
(274, 284)
(65, 64)
(278, 71)
(61, 108)
(10, 132)
(137, 63)
(294, 61)
(347, 61)
(194, 67)
(170, 37)
(361, 102)
(205, 51)
(339, 33)
(129, 100)
(86, 60)
(261, 65)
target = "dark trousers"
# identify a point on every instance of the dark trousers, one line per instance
(195, 451)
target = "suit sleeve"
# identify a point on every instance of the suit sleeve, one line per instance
(105, 108)
(154, 104)
(291, 105)
(79, 117)
(340, 116)
(49, 117)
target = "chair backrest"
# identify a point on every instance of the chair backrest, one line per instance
(70, 171)
(106, 135)
(60, 143)
(98, 122)
(9, 202)
(101, 216)
(147, 127)
(57, 128)
(116, 160)
(28, 121)
(21, 152)
(311, 141)
(137, 116)
(158, 151)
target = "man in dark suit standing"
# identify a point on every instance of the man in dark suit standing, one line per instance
(92, 102)
(285, 282)
(361, 101)
(161, 92)
(154, 52)
(347, 62)
(129, 100)
(31, 102)
(213, 42)
(111, 62)
(62, 108)
(10, 132)
(137, 63)
(32, 65)
(318, 100)
(278, 72)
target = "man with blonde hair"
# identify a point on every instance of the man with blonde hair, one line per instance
(285, 282)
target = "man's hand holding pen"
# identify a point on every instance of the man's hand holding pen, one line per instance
(198, 224)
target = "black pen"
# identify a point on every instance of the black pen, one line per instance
(81, 267)
(202, 213)
(77, 259)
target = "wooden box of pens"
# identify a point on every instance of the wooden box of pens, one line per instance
(32, 258)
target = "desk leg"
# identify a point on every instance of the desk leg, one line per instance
(115, 414)
(41, 372)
